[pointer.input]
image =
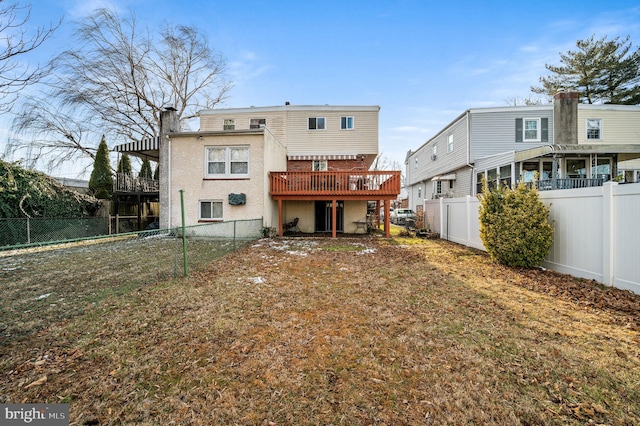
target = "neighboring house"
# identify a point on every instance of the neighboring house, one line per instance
(566, 144)
(78, 185)
(277, 163)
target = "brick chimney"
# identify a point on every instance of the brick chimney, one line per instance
(169, 123)
(565, 118)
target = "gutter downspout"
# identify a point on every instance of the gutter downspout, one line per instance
(473, 176)
(554, 161)
(169, 177)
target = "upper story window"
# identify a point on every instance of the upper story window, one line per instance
(320, 165)
(227, 162)
(316, 123)
(346, 123)
(532, 129)
(594, 128)
(257, 123)
(229, 124)
(450, 143)
(434, 152)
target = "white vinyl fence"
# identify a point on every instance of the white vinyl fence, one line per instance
(596, 230)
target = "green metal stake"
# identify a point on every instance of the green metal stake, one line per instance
(184, 234)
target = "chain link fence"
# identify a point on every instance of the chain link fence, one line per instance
(42, 285)
(31, 231)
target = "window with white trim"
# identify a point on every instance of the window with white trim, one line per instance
(316, 123)
(594, 128)
(320, 166)
(531, 129)
(227, 162)
(257, 123)
(229, 124)
(210, 210)
(346, 123)
(450, 143)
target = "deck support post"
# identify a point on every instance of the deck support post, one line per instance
(387, 218)
(280, 230)
(334, 216)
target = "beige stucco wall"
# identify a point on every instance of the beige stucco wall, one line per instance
(275, 159)
(187, 158)
(305, 212)
(354, 211)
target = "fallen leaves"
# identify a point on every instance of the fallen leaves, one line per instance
(322, 331)
(38, 382)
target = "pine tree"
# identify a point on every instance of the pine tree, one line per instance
(600, 70)
(145, 170)
(124, 165)
(156, 172)
(101, 181)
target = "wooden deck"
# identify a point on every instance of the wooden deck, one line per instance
(338, 185)
(370, 185)
(125, 183)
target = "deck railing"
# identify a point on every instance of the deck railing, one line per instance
(569, 183)
(340, 183)
(550, 184)
(128, 183)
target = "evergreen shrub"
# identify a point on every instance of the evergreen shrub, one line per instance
(514, 225)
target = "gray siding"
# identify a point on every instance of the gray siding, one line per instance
(420, 165)
(464, 182)
(493, 130)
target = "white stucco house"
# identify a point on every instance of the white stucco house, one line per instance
(277, 163)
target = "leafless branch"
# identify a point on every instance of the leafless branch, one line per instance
(15, 75)
(119, 77)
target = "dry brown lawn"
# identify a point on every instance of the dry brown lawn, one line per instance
(342, 332)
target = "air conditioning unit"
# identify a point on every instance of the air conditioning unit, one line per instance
(433, 157)
(237, 199)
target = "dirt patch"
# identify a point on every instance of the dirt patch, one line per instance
(363, 331)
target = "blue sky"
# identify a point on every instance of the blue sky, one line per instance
(423, 62)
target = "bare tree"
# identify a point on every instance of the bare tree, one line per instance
(116, 81)
(42, 120)
(15, 75)
(382, 162)
(528, 101)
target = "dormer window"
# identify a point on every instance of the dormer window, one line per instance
(229, 124)
(257, 123)
(316, 123)
(532, 129)
(346, 123)
(594, 128)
